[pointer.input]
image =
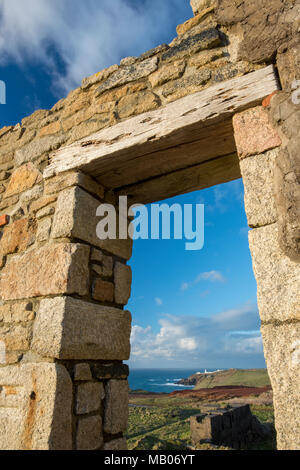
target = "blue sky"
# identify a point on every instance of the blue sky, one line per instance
(198, 308)
(190, 309)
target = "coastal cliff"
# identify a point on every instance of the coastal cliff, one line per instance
(234, 377)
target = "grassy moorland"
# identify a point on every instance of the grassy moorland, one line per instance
(162, 421)
(232, 377)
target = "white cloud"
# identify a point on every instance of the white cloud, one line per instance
(223, 197)
(222, 340)
(188, 344)
(84, 36)
(158, 301)
(211, 276)
(235, 319)
(220, 196)
(248, 346)
(227, 194)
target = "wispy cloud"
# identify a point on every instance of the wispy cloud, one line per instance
(220, 196)
(223, 196)
(210, 276)
(75, 38)
(223, 340)
(237, 319)
(31, 103)
(245, 346)
(227, 194)
(158, 301)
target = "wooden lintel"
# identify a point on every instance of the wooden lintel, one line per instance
(217, 171)
(187, 132)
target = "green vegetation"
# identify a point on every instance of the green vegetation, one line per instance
(162, 422)
(248, 378)
(265, 414)
(162, 425)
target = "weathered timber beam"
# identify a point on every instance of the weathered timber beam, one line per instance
(184, 121)
(217, 171)
(211, 142)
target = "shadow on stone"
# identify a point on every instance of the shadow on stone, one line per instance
(233, 427)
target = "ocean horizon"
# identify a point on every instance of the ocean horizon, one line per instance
(161, 380)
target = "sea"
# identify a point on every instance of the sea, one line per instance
(161, 380)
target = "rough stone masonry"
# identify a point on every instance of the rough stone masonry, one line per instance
(64, 333)
(233, 427)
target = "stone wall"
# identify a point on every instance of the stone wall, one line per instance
(271, 33)
(233, 427)
(261, 149)
(62, 289)
(63, 293)
(63, 329)
(268, 145)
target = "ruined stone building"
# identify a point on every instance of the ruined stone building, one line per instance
(220, 102)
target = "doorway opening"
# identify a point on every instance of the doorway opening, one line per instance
(196, 341)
